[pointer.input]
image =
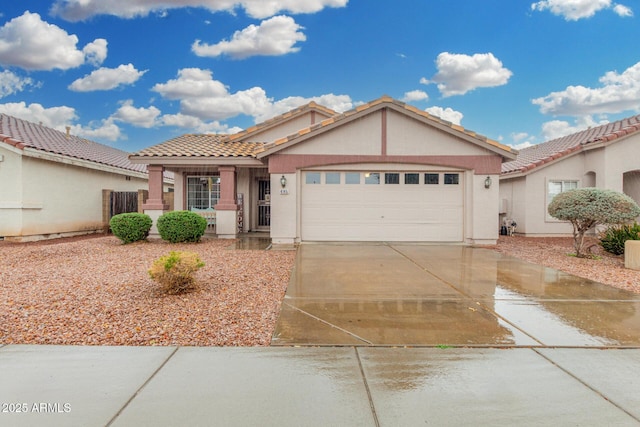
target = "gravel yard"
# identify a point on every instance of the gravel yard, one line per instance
(555, 252)
(96, 291)
(91, 291)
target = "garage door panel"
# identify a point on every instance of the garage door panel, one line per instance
(381, 212)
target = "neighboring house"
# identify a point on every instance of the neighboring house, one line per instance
(385, 171)
(605, 157)
(51, 182)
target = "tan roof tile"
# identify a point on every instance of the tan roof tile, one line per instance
(201, 145)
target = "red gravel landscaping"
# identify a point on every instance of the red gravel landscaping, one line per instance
(96, 291)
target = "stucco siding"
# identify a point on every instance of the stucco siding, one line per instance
(407, 136)
(621, 157)
(287, 128)
(363, 136)
(66, 199)
(11, 200)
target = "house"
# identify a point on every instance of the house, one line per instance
(605, 157)
(51, 182)
(385, 171)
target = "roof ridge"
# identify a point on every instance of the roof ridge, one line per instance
(291, 113)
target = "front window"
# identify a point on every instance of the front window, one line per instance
(203, 192)
(556, 187)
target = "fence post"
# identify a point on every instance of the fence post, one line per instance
(106, 209)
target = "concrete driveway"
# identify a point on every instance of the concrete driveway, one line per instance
(430, 295)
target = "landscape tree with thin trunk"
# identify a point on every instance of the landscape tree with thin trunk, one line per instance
(587, 207)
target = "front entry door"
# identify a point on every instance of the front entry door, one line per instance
(264, 204)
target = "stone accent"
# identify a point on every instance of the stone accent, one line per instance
(632, 254)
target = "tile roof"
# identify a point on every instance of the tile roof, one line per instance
(401, 105)
(21, 133)
(538, 155)
(237, 145)
(202, 145)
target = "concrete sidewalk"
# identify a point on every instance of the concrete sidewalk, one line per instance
(317, 386)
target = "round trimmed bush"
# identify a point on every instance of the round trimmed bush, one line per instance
(130, 227)
(181, 226)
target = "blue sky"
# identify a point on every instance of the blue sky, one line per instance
(134, 73)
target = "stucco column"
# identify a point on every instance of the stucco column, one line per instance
(226, 209)
(155, 189)
(155, 206)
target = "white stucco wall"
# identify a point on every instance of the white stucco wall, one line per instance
(482, 204)
(362, 136)
(285, 223)
(287, 128)
(11, 200)
(602, 167)
(407, 136)
(61, 198)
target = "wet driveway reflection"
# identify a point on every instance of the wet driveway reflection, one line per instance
(428, 295)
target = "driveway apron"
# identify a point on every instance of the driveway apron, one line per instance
(434, 295)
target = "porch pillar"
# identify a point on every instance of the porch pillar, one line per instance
(226, 209)
(155, 206)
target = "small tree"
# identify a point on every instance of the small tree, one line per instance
(587, 207)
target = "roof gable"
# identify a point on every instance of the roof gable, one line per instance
(23, 134)
(378, 104)
(541, 154)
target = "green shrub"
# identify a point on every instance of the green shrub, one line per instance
(181, 226)
(174, 272)
(612, 240)
(130, 227)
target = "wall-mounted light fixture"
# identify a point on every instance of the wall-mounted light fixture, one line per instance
(283, 181)
(487, 182)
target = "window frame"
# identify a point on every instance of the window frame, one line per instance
(548, 198)
(208, 197)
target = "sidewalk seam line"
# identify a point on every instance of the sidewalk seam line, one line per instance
(139, 390)
(366, 386)
(584, 383)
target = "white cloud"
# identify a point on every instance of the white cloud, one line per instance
(30, 43)
(96, 52)
(197, 125)
(573, 10)
(107, 79)
(54, 117)
(209, 99)
(191, 83)
(447, 114)
(140, 117)
(59, 118)
(206, 99)
(458, 73)
(273, 37)
(11, 83)
(78, 10)
(415, 95)
(619, 92)
(623, 11)
(559, 128)
(521, 140)
(102, 130)
(338, 103)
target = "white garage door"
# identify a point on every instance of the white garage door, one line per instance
(382, 206)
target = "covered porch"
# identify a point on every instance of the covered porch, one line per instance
(234, 199)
